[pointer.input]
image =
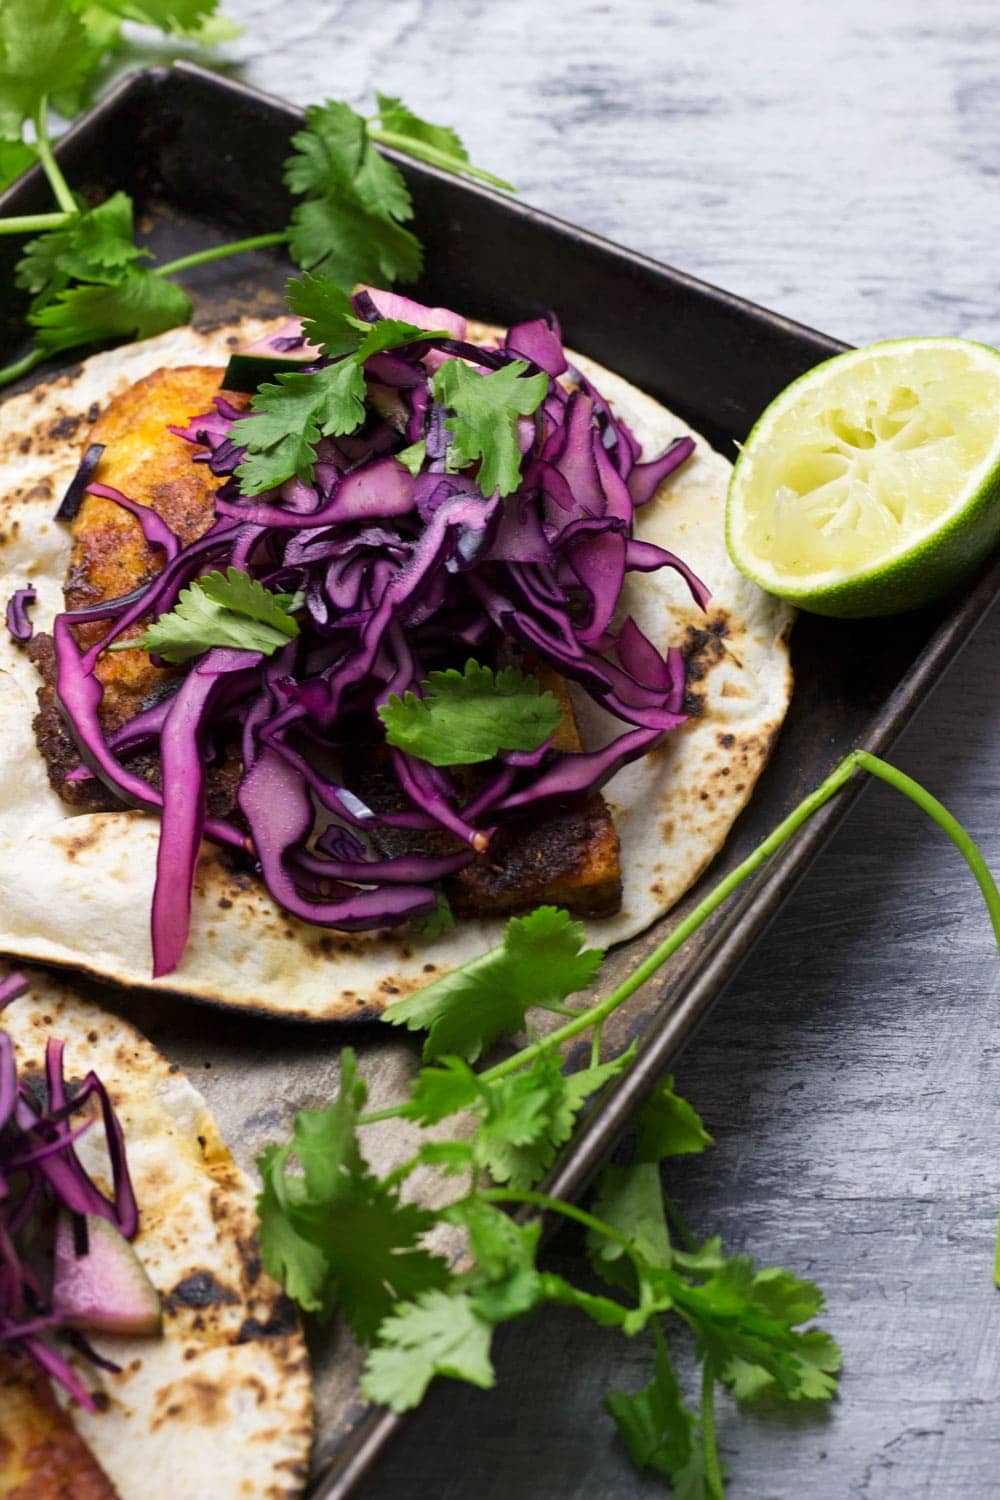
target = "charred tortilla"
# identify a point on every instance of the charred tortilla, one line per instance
(221, 1404)
(76, 889)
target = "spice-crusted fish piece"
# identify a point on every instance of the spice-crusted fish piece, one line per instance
(110, 556)
(42, 1456)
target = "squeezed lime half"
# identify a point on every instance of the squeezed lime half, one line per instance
(871, 484)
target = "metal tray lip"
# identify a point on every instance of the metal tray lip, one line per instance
(764, 894)
(511, 202)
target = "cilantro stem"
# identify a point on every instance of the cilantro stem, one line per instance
(425, 152)
(944, 819)
(714, 1486)
(600, 1012)
(374, 1116)
(34, 223)
(595, 1045)
(22, 366)
(839, 776)
(50, 166)
(557, 1206)
(678, 1225)
(218, 252)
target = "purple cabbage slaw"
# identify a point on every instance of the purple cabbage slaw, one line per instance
(18, 621)
(401, 574)
(40, 1172)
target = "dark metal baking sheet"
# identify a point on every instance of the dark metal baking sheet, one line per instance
(202, 156)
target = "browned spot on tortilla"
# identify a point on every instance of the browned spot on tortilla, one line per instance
(200, 1289)
(281, 1320)
(727, 741)
(194, 1399)
(77, 843)
(64, 427)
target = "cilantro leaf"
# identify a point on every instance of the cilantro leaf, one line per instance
(540, 962)
(658, 1429)
(286, 1255)
(233, 611)
(482, 418)
(437, 144)
(350, 226)
(96, 246)
(338, 1235)
(287, 420)
(439, 1333)
(441, 920)
(242, 594)
(527, 1116)
(138, 307)
(438, 1092)
(467, 717)
(15, 159)
(668, 1126)
(181, 17)
(42, 51)
(630, 1200)
(327, 313)
(414, 456)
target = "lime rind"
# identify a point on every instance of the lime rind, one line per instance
(872, 483)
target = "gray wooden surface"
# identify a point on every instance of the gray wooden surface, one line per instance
(837, 162)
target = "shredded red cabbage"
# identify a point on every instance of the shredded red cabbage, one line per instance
(399, 575)
(40, 1172)
(70, 503)
(18, 623)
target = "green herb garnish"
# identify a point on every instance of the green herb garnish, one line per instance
(83, 266)
(230, 609)
(482, 418)
(752, 1326)
(288, 418)
(462, 718)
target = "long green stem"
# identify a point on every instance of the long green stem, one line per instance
(684, 929)
(839, 776)
(34, 223)
(558, 1206)
(50, 166)
(714, 1487)
(22, 366)
(424, 152)
(943, 818)
(219, 252)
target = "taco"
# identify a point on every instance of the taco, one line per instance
(619, 845)
(218, 1400)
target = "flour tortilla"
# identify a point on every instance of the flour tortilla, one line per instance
(221, 1404)
(76, 889)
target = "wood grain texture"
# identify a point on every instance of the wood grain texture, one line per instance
(838, 163)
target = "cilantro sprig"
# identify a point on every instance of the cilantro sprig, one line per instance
(290, 415)
(482, 418)
(221, 609)
(288, 418)
(88, 278)
(462, 718)
(337, 1233)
